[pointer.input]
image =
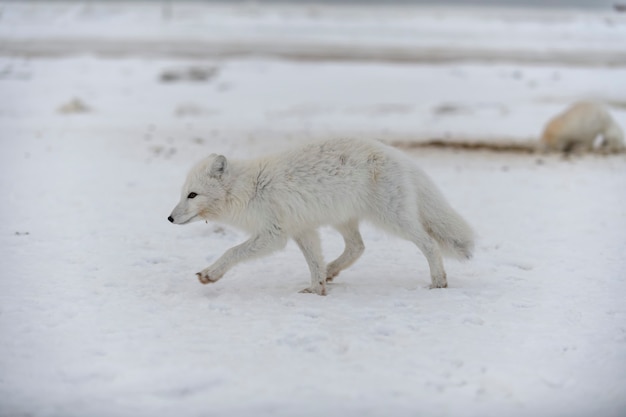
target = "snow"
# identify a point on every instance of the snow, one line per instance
(101, 313)
(401, 33)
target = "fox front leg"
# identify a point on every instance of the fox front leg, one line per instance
(258, 245)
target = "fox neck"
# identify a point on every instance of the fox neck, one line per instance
(240, 191)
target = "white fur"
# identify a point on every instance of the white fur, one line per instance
(579, 126)
(336, 183)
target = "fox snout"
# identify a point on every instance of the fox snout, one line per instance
(172, 218)
(178, 217)
(179, 214)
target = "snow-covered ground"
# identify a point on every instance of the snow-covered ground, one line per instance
(101, 313)
(261, 100)
(400, 33)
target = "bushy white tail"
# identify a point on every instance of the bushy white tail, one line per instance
(443, 223)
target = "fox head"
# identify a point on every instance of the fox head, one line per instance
(204, 193)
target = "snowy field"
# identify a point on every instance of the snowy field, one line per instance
(101, 313)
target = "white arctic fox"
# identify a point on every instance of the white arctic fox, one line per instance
(579, 126)
(336, 183)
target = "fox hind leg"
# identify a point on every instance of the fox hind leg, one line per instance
(411, 229)
(416, 233)
(430, 249)
(309, 243)
(353, 249)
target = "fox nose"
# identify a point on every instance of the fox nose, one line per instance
(171, 219)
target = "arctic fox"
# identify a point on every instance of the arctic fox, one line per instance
(336, 183)
(579, 126)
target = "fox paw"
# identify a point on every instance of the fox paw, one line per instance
(439, 281)
(204, 278)
(331, 272)
(319, 290)
(331, 277)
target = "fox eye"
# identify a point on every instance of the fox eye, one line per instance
(192, 195)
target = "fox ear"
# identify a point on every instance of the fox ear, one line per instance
(218, 167)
